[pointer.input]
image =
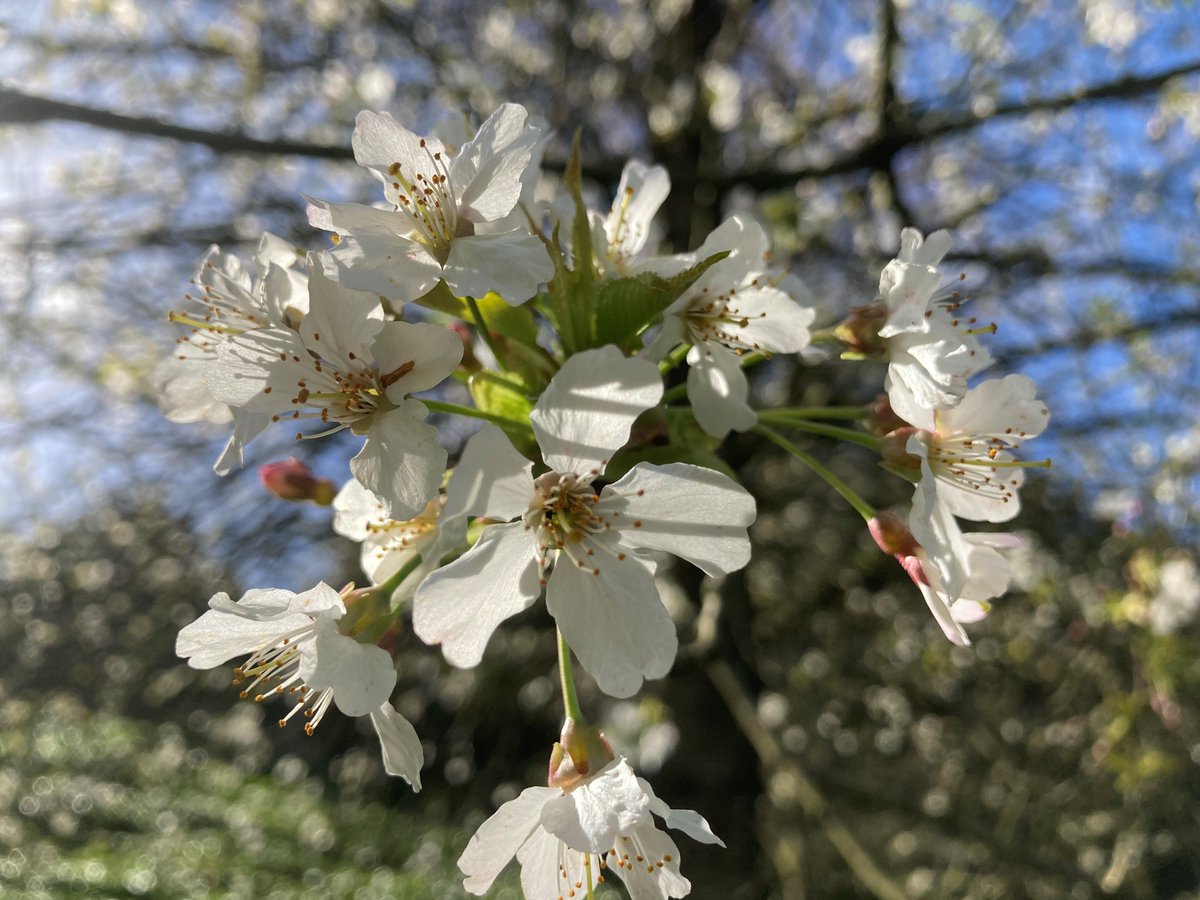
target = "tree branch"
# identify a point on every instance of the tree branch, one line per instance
(21, 108)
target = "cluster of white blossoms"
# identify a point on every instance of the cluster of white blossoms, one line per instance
(588, 465)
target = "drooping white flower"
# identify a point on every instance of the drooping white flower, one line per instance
(587, 550)
(567, 842)
(295, 650)
(441, 206)
(229, 302)
(388, 545)
(732, 309)
(957, 574)
(345, 367)
(932, 350)
(967, 450)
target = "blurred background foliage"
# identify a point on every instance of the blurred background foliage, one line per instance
(834, 739)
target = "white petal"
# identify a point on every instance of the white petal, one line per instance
(340, 322)
(648, 881)
(717, 390)
(550, 870)
(486, 175)
(498, 839)
(362, 676)
(925, 251)
(906, 289)
(357, 511)
(774, 321)
(585, 414)
(427, 354)
(460, 605)
(641, 192)
(614, 621)
(402, 753)
(221, 635)
(401, 461)
(606, 805)
(936, 600)
(491, 479)
(246, 427)
(183, 394)
(693, 512)
(318, 600)
(688, 821)
(1006, 408)
(512, 263)
(378, 258)
(379, 140)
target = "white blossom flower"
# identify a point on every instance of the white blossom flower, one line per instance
(441, 206)
(229, 303)
(588, 550)
(619, 237)
(567, 842)
(733, 308)
(966, 450)
(1177, 600)
(957, 574)
(931, 348)
(347, 368)
(388, 545)
(295, 650)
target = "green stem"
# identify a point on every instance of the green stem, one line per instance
(823, 412)
(455, 409)
(825, 336)
(773, 417)
(674, 358)
(388, 587)
(484, 331)
(567, 678)
(863, 508)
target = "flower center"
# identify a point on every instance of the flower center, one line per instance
(274, 670)
(719, 317)
(423, 194)
(342, 398)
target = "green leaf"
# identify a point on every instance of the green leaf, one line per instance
(505, 394)
(627, 306)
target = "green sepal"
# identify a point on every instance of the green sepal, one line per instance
(627, 306)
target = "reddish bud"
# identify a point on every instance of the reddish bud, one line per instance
(882, 419)
(290, 479)
(893, 537)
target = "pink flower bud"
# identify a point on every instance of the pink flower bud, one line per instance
(892, 535)
(290, 479)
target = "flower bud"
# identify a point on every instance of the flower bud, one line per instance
(882, 419)
(290, 479)
(859, 332)
(582, 750)
(894, 538)
(892, 535)
(894, 450)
